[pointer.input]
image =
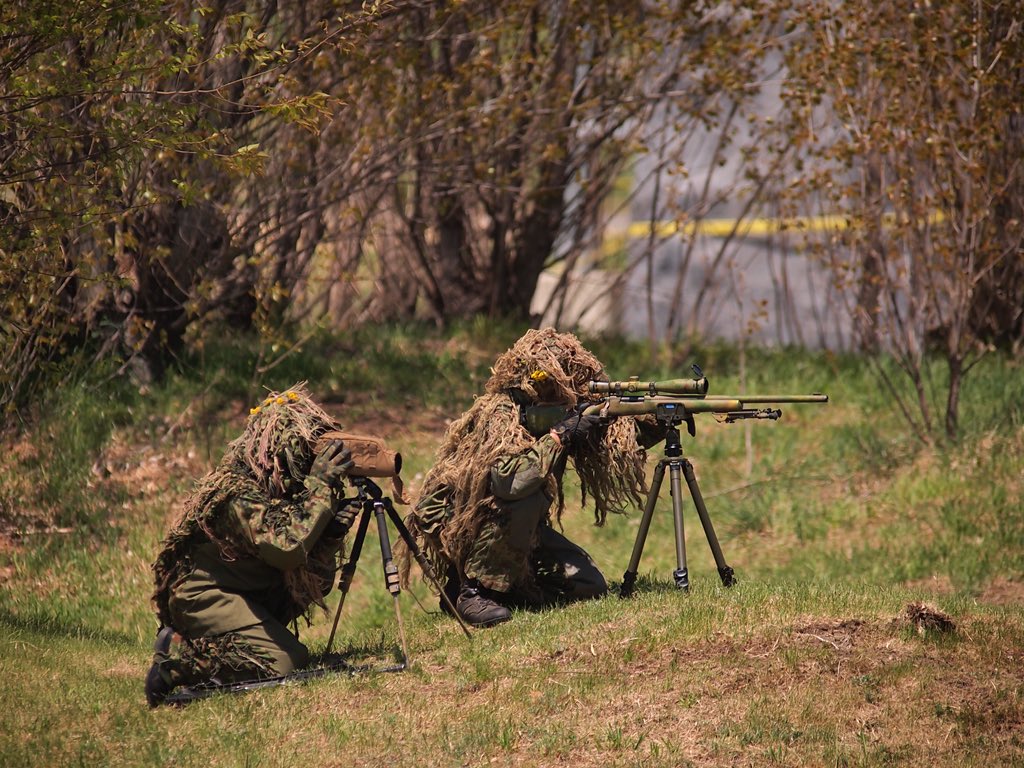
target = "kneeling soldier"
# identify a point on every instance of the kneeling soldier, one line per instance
(254, 548)
(488, 505)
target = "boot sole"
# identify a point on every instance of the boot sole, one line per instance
(489, 623)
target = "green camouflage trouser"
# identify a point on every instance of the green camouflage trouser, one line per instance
(516, 551)
(509, 556)
(226, 636)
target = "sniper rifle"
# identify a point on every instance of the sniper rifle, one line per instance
(672, 401)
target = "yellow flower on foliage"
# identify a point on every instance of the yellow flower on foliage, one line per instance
(275, 400)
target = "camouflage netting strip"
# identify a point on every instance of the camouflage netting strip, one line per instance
(227, 657)
(612, 472)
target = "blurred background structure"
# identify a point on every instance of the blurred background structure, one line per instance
(772, 172)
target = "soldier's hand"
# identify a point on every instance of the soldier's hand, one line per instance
(346, 511)
(332, 464)
(574, 429)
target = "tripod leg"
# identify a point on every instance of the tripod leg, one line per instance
(629, 577)
(348, 570)
(390, 573)
(424, 564)
(681, 574)
(724, 571)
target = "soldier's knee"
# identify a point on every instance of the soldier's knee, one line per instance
(585, 581)
(288, 660)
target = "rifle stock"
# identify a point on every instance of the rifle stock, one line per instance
(637, 406)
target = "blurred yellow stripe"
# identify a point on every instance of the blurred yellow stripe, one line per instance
(753, 227)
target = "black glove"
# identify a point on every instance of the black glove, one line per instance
(332, 464)
(345, 513)
(574, 429)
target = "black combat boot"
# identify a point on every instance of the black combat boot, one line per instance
(157, 687)
(479, 608)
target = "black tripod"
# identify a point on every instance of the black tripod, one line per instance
(375, 503)
(677, 464)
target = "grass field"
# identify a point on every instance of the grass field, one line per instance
(834, 519)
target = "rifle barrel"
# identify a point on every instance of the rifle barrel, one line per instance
(635, 405)
(815, 398)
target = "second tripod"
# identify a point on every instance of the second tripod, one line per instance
(678, 467)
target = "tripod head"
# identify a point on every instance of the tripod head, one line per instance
(368, 490)
(673, 448)
(670, 415)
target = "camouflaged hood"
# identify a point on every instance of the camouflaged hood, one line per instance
(284, 423)
(547, 367)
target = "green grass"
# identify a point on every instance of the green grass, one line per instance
(841, 521)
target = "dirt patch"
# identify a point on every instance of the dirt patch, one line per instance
(18, 510)
(936, 585)
(146, 469)
(838, 634)
(1003, 591)
(923, 618)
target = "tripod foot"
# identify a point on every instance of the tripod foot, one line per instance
(628, 582)
(727, 576)
(682, 578)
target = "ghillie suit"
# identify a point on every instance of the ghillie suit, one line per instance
(253, 549)
(475, 488)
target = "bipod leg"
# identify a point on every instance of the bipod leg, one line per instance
(629, 577)
(422, 561)
(348, 570)
(681, 574)
(724, 571)
(391, 580)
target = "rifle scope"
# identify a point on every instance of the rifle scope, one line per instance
(635, 387)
